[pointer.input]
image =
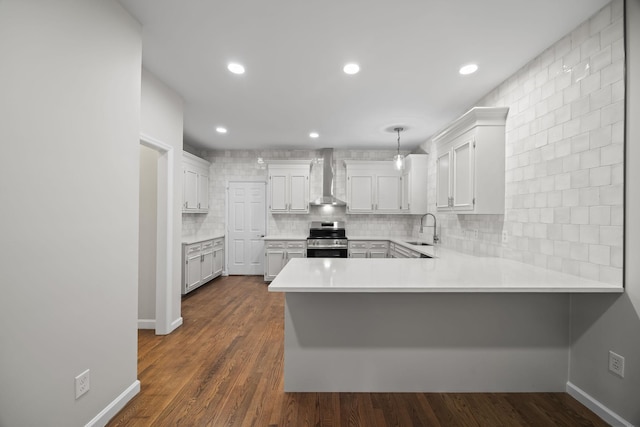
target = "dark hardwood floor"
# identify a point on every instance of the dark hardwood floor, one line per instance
(223, 367)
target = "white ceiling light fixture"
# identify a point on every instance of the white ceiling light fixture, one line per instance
(468, 69)
(398, 159)
(221, 129)
(314, 135)
(235, 68)
(351, 68)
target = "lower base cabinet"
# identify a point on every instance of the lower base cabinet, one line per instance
(398, 251)
(368, 249)
(201, 263)
(278, 253)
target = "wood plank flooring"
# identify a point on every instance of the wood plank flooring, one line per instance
(224, 367)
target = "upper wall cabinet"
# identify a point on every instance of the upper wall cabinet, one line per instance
(373, 187)
(470, 164)
(414, 184)
(378, 187)
(195, 181)
(289, 187)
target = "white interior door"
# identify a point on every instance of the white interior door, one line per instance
(246, 227)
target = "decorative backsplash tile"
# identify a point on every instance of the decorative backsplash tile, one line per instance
(241, 165)
(564, 158)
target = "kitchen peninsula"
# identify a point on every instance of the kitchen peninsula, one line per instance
(455, 323)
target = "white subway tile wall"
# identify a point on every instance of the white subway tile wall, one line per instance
(240, 165)
(564, 159)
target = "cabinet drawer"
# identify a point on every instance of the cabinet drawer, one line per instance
(207, 245)
(296, 245)
(379, 245)
(276, 245)
(193, 248)
(218, 243)
(357, 245)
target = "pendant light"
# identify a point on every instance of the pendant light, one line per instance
(398, 159)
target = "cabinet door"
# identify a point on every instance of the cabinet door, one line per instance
(357, 253)
(298, 192)
(443, 185)
(378, 253)
(203, 192)
(278, 200)
(218, 261)
(405, 195)
(190, 189)
(295, 253)
(207, 266)
(193, 270)
(360, 193)
(463, 176)
(273, 263)
(388, 193)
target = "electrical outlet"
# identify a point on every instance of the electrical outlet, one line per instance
(82, 383)
(505, 236)
(616, 364)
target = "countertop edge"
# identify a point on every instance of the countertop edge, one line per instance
(190, 240)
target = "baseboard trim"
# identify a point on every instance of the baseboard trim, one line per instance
(176, 324)
(146, 323)
(596, 407)
(114, 407)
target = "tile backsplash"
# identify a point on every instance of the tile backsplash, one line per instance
(564, 158)
(240, 165)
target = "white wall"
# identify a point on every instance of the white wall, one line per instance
(564, 158)
(161, 117)
(70, 85)
(147, 237)
(600, 323)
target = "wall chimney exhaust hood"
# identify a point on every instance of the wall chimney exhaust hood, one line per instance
(328, 198)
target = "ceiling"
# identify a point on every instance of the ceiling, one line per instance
(409, 52)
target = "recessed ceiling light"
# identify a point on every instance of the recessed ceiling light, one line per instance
(351, 68)
(468, 69)
(314, 135)
(235, 68)
(220, 129)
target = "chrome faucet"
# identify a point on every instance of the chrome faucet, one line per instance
(435, 222)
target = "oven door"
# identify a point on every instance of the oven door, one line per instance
(326, 252)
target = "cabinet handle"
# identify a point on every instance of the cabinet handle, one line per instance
(198, 205)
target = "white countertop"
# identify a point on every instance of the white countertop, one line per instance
(450, 271)
(188, 240)
(286, 237)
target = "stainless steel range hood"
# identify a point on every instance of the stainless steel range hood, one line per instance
(328, 198)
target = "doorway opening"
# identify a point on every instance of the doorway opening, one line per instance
(164, 240)
(246, 227)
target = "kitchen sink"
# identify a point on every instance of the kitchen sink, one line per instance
(419, 243)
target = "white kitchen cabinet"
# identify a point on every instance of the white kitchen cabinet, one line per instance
(414, 184)
(201, 262)
(278, 253)
(470, 164)
(368, 249)
(399, 251)
(195, 191)
(373, 187)
(218, 257)
(289, 187)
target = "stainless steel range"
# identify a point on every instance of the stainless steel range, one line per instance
(327, 239)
